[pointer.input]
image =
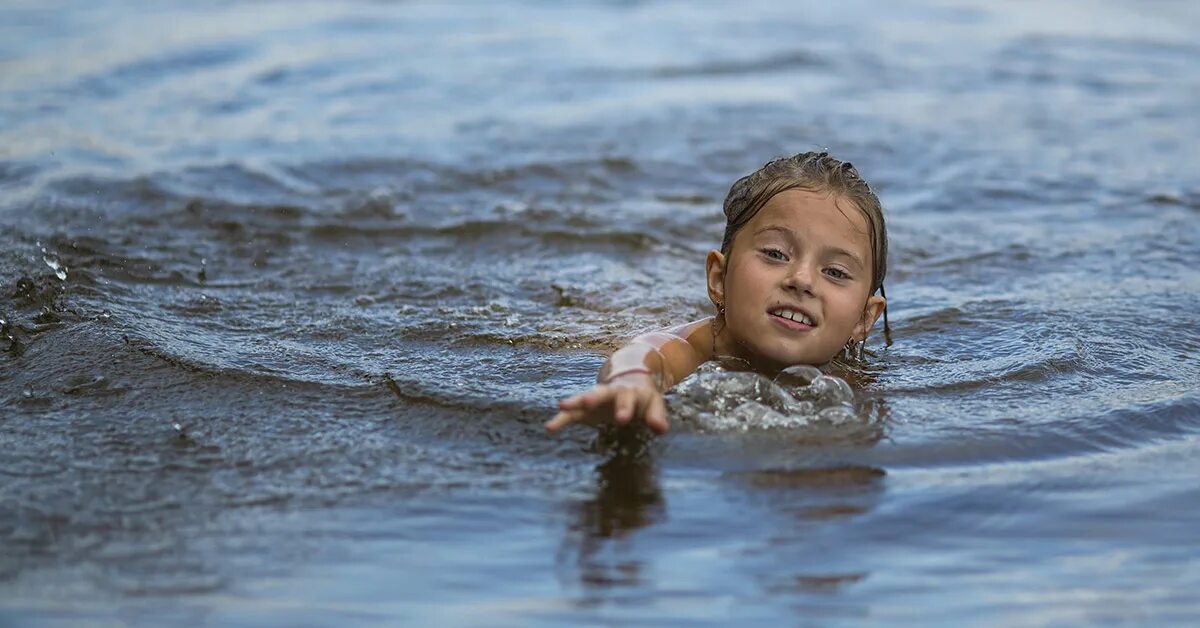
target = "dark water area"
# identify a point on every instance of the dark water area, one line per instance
(288, 289)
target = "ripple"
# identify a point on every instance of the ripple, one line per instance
(13, 174)
(142, 73)
(287, 271)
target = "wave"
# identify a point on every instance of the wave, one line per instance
(781, 62)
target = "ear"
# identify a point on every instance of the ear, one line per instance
(715, 269)
(871, 311)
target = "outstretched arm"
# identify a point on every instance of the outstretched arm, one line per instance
(632, 380)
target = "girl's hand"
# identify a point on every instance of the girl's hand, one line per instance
(620, 400)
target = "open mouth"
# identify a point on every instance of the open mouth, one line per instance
(792, 319)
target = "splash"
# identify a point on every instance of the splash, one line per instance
(717, 398)
(55, 265)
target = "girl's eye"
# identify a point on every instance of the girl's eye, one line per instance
(837, 273)
(774, 254)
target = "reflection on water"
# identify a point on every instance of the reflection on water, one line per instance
(816, 501)
(603, 554)
(597, 550)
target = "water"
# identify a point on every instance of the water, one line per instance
(288, 289)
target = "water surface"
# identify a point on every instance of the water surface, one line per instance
(289, 288)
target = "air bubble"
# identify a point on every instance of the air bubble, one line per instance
(799, 375)
(832, 390)
(803, 408)
(718, 399)
(838, 415)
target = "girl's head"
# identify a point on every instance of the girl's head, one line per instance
(804, 254)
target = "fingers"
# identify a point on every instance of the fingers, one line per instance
(574, 402)
(656, 415)
(626, 402)
(576, 408)
(561, 420)
(589, 399)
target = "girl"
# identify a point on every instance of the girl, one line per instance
(798, 279)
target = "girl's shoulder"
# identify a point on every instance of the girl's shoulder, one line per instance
(698, 335)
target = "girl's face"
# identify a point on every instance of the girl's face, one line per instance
(796, 283)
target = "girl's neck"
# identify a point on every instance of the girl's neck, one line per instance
(724, 347)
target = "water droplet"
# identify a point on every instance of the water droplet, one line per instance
(27, 392)
(60, 271)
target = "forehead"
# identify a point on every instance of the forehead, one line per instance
(820, 214)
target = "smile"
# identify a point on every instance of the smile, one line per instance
(792, 319)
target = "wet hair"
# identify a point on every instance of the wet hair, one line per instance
(813, 171)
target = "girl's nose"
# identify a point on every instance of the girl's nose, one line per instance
(800, 279)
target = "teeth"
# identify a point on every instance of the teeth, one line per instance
(794, 316)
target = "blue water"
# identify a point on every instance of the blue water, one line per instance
(288, 289)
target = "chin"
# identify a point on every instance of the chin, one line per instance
(767, 355)
(804, 356)
(804, 360)
(777, 360)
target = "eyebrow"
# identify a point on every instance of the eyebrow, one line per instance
(835, 250)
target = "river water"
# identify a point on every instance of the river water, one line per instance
(289, 288)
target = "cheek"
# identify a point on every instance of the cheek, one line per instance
(850, 310)
(748, 279)
(744, 290)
